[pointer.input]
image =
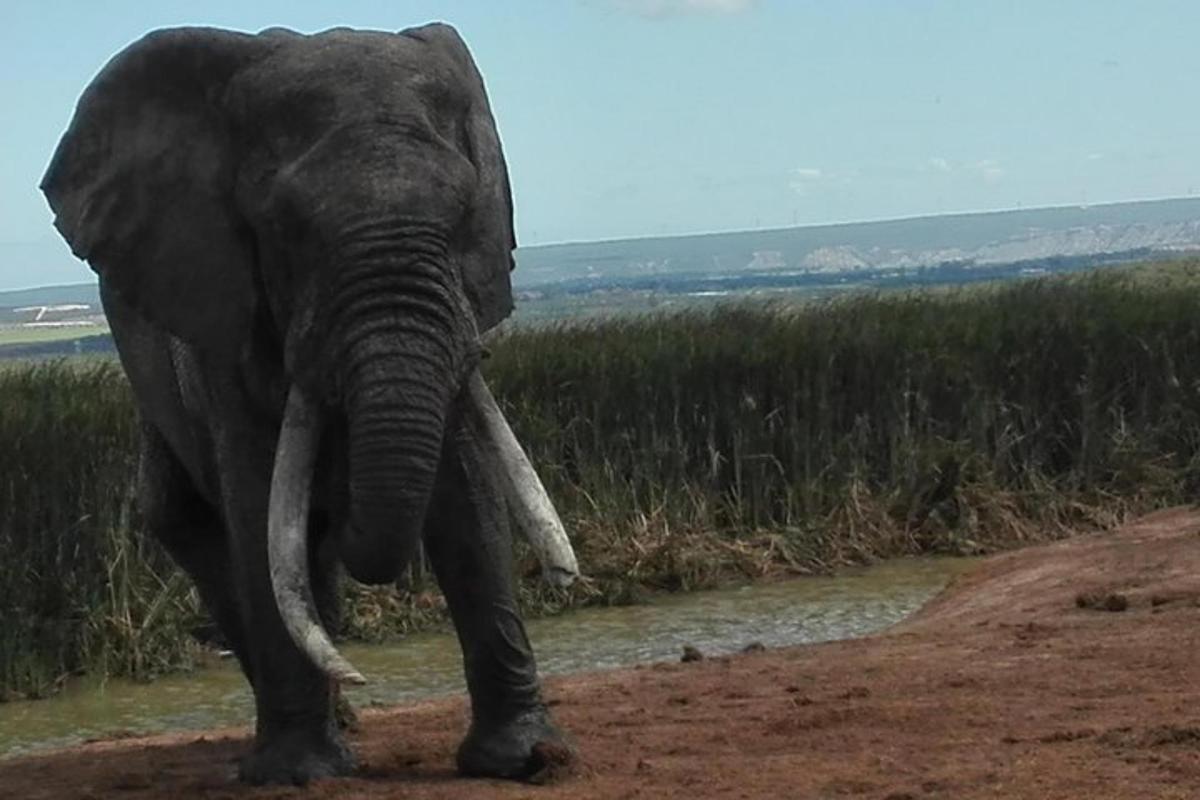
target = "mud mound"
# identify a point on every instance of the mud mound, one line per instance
(1026, 679)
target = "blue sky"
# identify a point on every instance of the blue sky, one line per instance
(642, 117)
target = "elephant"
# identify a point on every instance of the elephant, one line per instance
(301, 242)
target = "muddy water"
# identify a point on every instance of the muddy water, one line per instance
(852, 604)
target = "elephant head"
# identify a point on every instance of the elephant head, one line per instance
(339, 202)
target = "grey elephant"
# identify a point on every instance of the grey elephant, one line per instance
(300, 241)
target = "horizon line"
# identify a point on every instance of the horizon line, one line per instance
(863, 221)
(834, 224)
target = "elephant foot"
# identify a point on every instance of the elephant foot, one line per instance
(526, 747)
(295, 758)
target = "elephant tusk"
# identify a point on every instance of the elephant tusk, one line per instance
(287, 539)
(531, 506)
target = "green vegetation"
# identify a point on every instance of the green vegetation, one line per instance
(954, 421)
(78, 590)
(686, 450)
(15, 334)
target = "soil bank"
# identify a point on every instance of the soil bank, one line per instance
(1063, 671)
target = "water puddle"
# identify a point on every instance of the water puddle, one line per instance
(851, 604)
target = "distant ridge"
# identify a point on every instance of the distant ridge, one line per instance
(84, 293)
(983, 237)
(945, 215)
(963, 239)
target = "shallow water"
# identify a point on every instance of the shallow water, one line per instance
(851, 604)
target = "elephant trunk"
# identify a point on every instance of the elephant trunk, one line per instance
(403, 331)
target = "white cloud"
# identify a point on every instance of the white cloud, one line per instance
(1095, 156)
(989, 169)
(939, 164)
(804, 177)
(657, 9)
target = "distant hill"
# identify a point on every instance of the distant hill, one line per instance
(980, 239)
(76, 293)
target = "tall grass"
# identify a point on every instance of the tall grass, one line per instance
(683, 450)
(952, 420)
(79, 589)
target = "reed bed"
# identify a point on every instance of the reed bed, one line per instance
(945, 421)
(684, 451)
(79, 590)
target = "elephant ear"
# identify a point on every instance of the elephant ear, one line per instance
(487, 269)
(142, 186)
(487, 256)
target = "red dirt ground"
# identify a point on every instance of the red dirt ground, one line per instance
(1020, 681)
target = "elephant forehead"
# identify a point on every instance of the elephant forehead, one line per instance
(309, 83)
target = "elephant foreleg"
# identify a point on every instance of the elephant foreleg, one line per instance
(191, 531)
(296, 736)
(468, 542)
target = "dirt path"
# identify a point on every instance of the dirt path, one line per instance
(1023, 680)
